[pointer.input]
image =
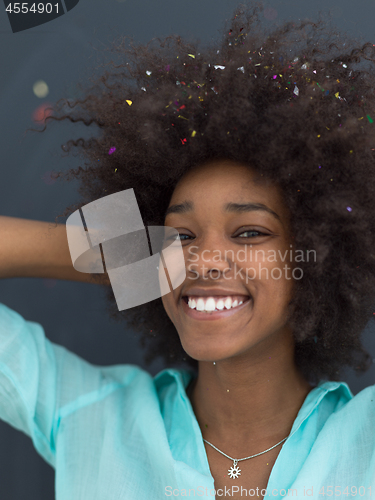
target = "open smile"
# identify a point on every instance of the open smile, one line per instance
(214, 315)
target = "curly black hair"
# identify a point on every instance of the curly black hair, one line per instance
(290, 104)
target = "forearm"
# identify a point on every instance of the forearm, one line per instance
(37, 249)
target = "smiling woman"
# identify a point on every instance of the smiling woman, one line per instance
(297, 115)
(260, 153)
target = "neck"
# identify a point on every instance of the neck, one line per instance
(248, 400)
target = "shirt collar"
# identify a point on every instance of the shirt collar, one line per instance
(182, 428)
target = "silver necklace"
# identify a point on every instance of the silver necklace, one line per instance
(235, 471)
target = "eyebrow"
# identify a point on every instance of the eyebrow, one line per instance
(188, 206)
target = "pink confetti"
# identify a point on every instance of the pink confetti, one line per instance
(112, 150)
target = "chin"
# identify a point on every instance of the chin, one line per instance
(209, 349)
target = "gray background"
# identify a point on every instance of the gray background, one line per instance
(61, 53)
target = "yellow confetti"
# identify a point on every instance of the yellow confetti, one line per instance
(179, 116)
(129, 102)
(115, 169)
(193, 133)
(337, 94)
(192, 55)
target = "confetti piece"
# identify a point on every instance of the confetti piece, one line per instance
(142, 88)
(42, 112)
(112, 150)
(179, 116)
(241, 69)
(183, 140)
(192, 55)
(349, 209)
(193, 134)
(219, 67)
(148, 72)
(40, 89)
(129, 102)
(115, 169)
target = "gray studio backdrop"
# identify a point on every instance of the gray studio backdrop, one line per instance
(61, 53)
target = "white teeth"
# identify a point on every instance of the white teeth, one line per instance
(200, 305)
(210, 304)
(228, 303)
(220, 304)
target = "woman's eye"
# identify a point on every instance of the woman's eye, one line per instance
(251, 233)
(180, 236)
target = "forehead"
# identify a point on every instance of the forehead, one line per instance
(225, 181)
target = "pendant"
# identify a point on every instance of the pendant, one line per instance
(234, 471)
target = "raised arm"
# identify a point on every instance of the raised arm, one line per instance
(37, 249)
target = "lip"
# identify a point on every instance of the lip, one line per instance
(215, 315)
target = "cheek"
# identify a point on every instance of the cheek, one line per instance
(276, 287)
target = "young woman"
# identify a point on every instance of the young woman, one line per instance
(261, 155)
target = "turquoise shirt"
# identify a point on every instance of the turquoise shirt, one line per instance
(117, 433)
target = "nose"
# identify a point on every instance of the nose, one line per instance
(209, 258)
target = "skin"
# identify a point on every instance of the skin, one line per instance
(248, 400)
